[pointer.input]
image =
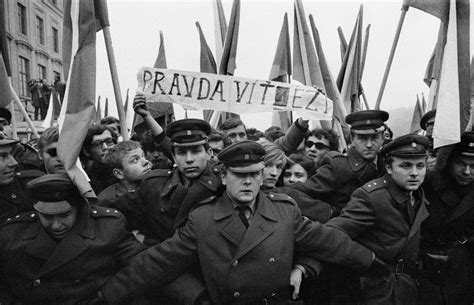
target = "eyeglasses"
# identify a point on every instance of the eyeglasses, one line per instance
(100, 143)
(318, 145)
(52, 152)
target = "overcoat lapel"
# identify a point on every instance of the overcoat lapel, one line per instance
(42, 244)
(465, 205)
(421, 215)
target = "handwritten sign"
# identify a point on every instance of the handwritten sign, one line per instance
(199, 91)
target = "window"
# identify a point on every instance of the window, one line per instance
(22, 26)
(41, 72)
(24, 71)
(55, 40)
(57, 75)
(40, 29)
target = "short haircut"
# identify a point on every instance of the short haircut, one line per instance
(116, 153)
(109, 120)
(272, 152)
(273, 133)
(328, 134)
(50, 135)
(231, 123)
(215, 136)
(390, 132)
(254, 134)
(305, 162)
(96, 130)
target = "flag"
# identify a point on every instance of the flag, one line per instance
(227, 64)
(79, 58)
(160, 61)
(348, 79)
(364, 52)
(98, 112)
(207, 64)
(125, 106)
(339, 112)
(220, 26)
(416, 118)
(5, 70)
(342, 43)
(423, 103)
(54, 108)
(106, 110)
(438, 8)
(454, 106)
(281, 71)
(433, 68)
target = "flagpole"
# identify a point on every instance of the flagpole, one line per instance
(23, 112)
(115, 81)
(392, 54)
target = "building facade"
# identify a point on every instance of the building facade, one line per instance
(34, 29)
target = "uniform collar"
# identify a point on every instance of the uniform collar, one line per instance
(225, 207)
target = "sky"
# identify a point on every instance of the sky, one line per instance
(135, 27)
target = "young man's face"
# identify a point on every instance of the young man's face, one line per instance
(242, 188)
(316, 148)
(158, 159)
(7, 165)
(236, 134)
(134, 165)
(51, 161)
(293, 174)
(368, 145)
(58, 225)
(462, 170)
(191, 160)
(271, 172)
(115, 127)
(100, 145)
(408, 173)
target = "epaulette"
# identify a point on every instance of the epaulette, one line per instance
(281, 198)
(97, 211)
(23, 217)
(216, 169)
(29, 174)
(209, 200)
(158, 173)
(375, 185)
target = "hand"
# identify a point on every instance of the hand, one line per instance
(378, 267)
(140, 106)
(296, 278)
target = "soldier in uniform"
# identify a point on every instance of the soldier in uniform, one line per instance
(339, 175)
(448, 233)
(244, 241)
(164, 198)
(385, 215)
(65, 250)
(14, 197)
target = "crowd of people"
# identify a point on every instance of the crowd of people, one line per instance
(189, 214)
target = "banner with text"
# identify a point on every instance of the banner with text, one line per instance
(199, 91)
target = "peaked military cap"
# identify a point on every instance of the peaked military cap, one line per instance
(427, 118)
(243, 157)
(410, 145)
(466, 146)
(367, 121)
(55, 193)
(188, 132)
(7, 115)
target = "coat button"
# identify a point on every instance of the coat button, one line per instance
(162, 210)
(271, 260)
(236, 294)
(235, 263)
(274, 294)
(36, 283)
(13, 196)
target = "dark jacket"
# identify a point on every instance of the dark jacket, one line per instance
(239, 265)
(381, 217)
(38, 270)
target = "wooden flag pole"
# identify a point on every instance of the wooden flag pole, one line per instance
(23, 112)
(390, 58)
(115, 82)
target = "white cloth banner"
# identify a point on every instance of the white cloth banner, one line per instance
(199, 91)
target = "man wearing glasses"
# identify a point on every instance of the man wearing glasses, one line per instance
(96, 144)
(319, 142)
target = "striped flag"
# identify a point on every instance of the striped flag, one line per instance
(79, 58)
(227, 64)
(160, 61)
(220, 26)
(5, 70)
(416, 118)
(106, 108)
(98, 112)
(281, 71)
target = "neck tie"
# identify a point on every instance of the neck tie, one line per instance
(242, 215)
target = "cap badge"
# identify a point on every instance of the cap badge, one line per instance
(368, 122)
(188, 132)
(413, 144)
(471, 144)
(247, 157)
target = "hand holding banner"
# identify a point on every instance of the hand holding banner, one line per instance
(199, 91)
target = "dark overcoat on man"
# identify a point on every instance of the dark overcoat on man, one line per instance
(239, 265)
(380, 216)
(36, 269)
(449, 234)
(339, 176)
